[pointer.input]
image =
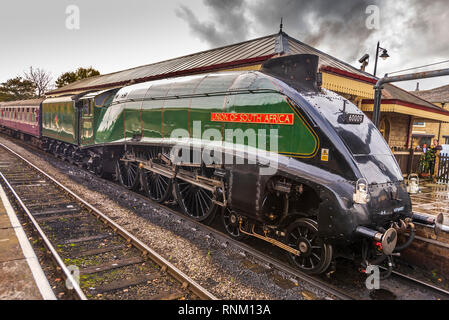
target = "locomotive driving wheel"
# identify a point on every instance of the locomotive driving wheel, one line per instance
(315, 255)
(127, 174)
(97, 167)
(156, 186)
(231, 222)
(195, 202)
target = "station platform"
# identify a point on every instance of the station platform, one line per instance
(433, 199)
(21, 276)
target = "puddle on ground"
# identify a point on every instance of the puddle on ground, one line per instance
(433, 199)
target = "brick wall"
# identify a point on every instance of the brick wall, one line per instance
(398, 124)
(398, 129)
(433, 128)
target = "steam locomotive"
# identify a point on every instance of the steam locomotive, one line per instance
(275, 155)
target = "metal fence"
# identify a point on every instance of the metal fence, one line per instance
(443, 169)
(408, 160)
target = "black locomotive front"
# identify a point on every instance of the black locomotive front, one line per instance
(360, 194)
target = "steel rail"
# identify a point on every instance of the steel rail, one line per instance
(79, 293)
(180, 276)
(286, 268)
(420, 282)
(423, 283)
(264, 258)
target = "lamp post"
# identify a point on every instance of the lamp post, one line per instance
(384, 56)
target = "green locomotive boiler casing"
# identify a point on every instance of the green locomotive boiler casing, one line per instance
(151, 112)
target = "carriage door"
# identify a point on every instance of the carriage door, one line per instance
(87, 119)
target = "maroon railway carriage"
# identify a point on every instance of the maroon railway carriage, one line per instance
(21, 118)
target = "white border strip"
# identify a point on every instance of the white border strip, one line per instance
(30, 256)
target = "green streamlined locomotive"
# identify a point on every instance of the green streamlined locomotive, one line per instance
(275, 155)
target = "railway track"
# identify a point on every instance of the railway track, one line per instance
(293, 274)
(439, 293)
(260, 257)
(86, 245)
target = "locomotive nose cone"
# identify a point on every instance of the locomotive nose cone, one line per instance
(389, 241)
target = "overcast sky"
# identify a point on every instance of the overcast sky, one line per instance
(115, 35)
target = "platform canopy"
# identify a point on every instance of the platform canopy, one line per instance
(396, 100)
(248, 55)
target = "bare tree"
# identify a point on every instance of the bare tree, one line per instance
(41, 78)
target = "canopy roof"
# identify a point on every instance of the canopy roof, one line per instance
(22, 103)
(252, 52)
(437, 95)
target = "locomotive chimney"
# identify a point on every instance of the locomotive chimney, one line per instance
(300, 71)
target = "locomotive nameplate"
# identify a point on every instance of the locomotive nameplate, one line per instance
(262, 118)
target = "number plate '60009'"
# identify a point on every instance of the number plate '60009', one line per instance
(351, 118)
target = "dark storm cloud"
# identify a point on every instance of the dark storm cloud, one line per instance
(428, 28)
(312, 21)
(229, 24)
(318, 21)
(414, 28)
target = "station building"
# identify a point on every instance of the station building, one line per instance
(439, 97)
(402, 112)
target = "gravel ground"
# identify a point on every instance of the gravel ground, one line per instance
(222, 270)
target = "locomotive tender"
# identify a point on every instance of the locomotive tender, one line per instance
(278, 157)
